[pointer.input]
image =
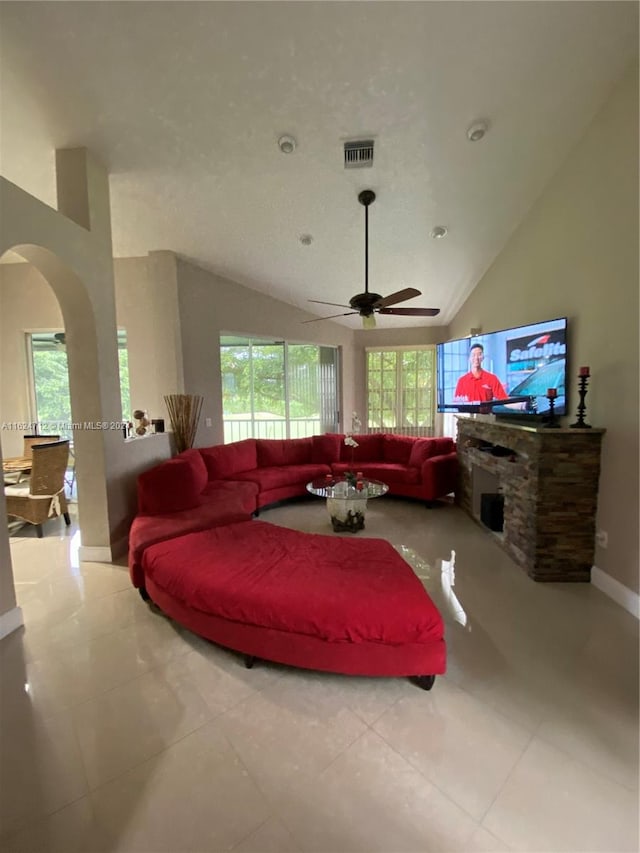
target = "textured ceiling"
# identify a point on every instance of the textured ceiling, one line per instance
(184, 102)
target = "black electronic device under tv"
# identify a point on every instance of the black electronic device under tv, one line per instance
(518, 366)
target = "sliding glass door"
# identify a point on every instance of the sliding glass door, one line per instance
(273, 389)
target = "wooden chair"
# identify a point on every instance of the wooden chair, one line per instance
(42, 496)
(30, 440)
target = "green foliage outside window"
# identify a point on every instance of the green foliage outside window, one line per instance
(51, 379)
(51, 383)
(273, 389)
(253, 379)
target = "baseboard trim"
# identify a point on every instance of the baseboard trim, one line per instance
(10, 621)
(94, 554)
(620, 593)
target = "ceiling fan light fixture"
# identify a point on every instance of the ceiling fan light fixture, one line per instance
(477, 130)
(287, 144)
(369, 321)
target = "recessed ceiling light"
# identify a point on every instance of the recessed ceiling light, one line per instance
(438, 232)
(287, 144)
(477, 131)
(306, 239)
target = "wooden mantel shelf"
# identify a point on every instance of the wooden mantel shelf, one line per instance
(549, 481)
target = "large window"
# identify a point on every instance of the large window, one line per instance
(400, 390)
(50, 381)
(273, 389)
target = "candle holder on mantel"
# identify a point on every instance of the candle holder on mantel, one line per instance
(551, 422)
(583, 378)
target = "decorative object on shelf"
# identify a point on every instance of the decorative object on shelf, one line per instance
(551, 422)
(184, 414)
(143, 423)
(157, 424)
(583, 377)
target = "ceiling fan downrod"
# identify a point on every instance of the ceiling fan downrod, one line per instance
(366, 197)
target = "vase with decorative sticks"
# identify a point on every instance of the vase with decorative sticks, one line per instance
(184, 414)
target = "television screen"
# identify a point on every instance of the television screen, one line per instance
(506, 372)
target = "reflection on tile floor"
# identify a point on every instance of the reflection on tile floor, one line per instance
(121, 731)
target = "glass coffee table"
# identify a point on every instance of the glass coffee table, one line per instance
(347, 499)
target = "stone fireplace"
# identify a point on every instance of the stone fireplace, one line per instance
(548, 479)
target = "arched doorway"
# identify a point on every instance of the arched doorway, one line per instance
(75, 259)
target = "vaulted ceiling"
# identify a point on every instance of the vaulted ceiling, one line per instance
(185, 102)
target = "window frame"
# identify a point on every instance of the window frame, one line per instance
(400, 408)
(282, 426)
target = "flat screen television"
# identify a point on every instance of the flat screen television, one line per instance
(506, 372)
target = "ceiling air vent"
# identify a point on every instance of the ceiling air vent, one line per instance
(359, 154)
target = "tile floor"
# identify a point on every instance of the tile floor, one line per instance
(120, 731)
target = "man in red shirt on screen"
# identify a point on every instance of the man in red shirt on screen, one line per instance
(478, 385)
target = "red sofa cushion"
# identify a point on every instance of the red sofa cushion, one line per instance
(223, 460)
(422, 449)
(225, 508)
(341, 590)
(439, 474)
(396, 448)
(387, 472)
(243, 492)
(442, 446)
(369, 449)
(172, 486)
(277, 477)
(283, 451)
(326, 448)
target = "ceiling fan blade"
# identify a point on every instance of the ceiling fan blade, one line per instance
(410, 312)
(315, 319)
(320, 302)
(398, 296)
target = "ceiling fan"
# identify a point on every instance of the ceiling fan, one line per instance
(369, 304)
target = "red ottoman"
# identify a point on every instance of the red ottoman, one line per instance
(342, 605)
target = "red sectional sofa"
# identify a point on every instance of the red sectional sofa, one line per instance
(212, 486)
(194, 519)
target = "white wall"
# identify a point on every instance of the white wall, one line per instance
(576, 254)
(147, 307)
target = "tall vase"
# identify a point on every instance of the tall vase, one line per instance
(184, 414)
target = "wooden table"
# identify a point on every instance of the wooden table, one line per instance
(17, 465)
